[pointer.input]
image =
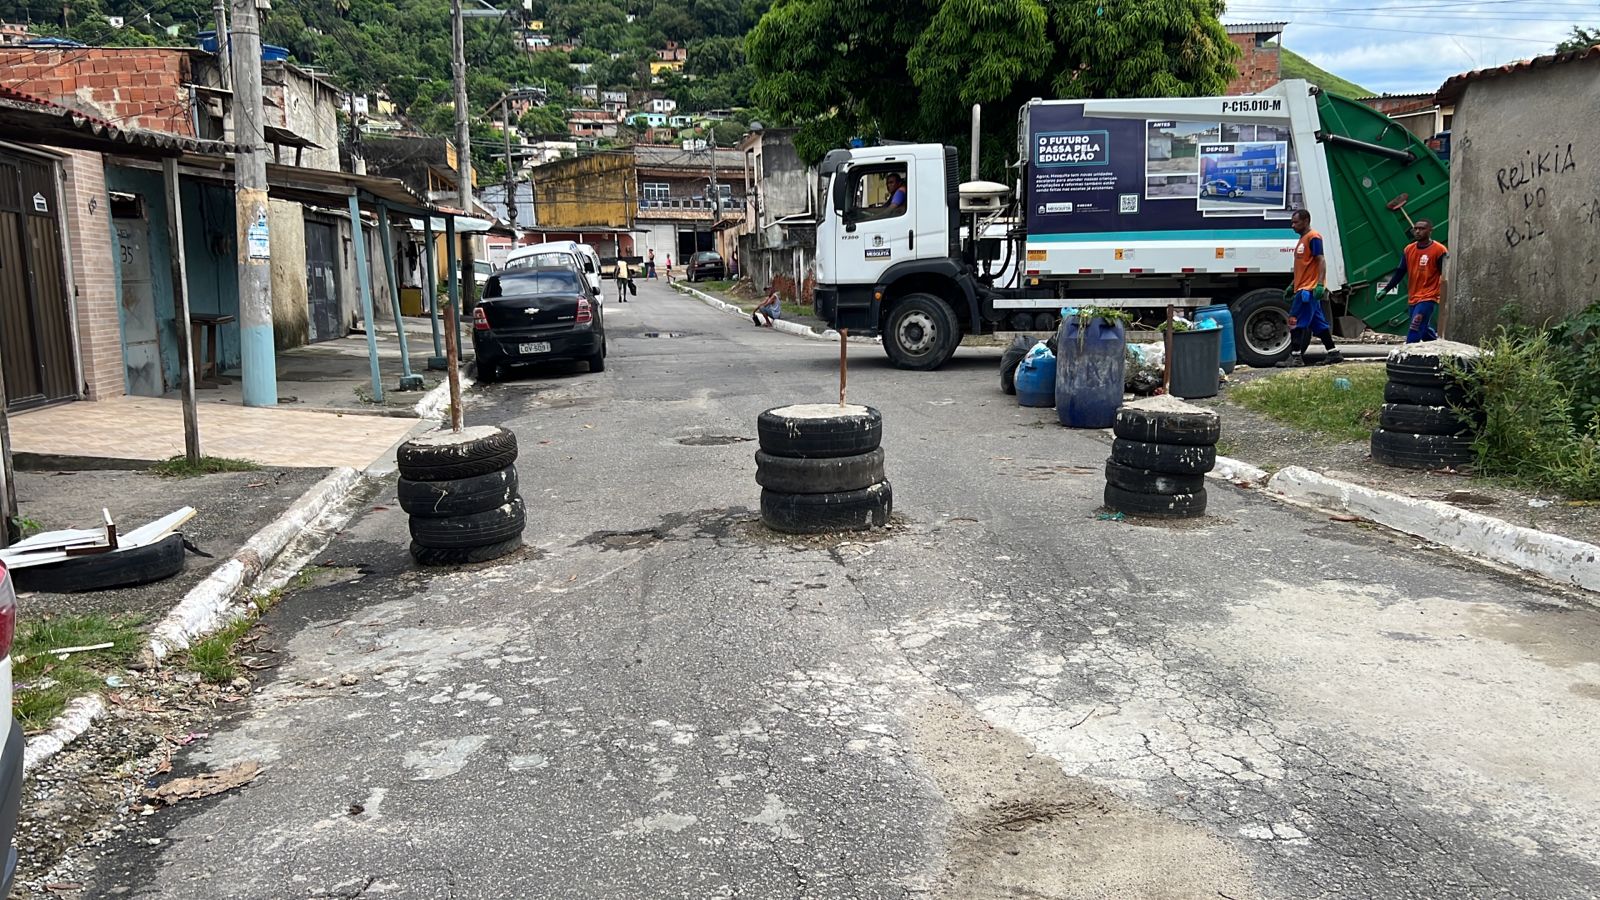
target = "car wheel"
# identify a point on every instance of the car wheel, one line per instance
(459, 556)
(812, 432)
(1177, 459)
(1134, 424)
(597, 362)
(492, 526)
(788, 475)
(443, 456)
(921, 332)
(1156, 506)
(460, 497)
(822, 513)
(1261, 326)
(102, 571)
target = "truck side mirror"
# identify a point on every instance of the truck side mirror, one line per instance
(841, 191)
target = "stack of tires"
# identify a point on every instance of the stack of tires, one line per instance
(1424, 422)
(1159, 460)
(460, 491)
(820, 468)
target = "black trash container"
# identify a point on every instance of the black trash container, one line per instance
(1196, 359)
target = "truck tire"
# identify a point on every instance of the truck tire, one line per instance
(787, 475)
(1144, 481)
(821, 513)
(1156, 506)
(1174, 459)
(1261, 327)
(1199, 428)
(1420, 451)
(814, 431)
(921, 332)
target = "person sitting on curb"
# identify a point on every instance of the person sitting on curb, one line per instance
(770, 310)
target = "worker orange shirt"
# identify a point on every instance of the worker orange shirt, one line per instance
(1424, 269)
(1306, 253)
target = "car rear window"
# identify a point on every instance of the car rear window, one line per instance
(524, 283)
(707, 257)
(542, 260)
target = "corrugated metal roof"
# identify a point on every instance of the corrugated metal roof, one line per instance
(647, 156)
(1456, 85)
(35, 120)
(1255, 27)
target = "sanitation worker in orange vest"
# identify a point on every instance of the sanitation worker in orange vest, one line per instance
(1306, 292)
(1422, 265)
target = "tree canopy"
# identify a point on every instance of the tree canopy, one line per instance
(910, 70)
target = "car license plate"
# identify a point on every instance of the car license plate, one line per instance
(527, 349)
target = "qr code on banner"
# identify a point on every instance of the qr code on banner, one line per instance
(1128, 203)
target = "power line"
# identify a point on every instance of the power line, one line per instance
(1543, 42)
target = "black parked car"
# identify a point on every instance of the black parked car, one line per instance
(535, 315)
(707, 265)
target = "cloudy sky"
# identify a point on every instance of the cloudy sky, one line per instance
(1390, 46)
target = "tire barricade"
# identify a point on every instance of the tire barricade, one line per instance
(820, 468)
(461, 493)
(1159, 459)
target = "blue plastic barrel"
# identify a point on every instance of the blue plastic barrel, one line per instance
(1090, 372)
(1036, 381)
(1224, 317)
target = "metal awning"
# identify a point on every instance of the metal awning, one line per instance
(283, 137)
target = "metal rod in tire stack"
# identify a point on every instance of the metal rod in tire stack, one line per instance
(1166, 355)
(844, 343)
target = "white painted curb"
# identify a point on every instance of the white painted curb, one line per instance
(1236, 472)
(73, 721)
(433, 403)
(794, 328)
(205, 607)
(1560, 559)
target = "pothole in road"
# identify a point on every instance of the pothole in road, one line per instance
(665, 334)
(712, 440)
(624, 540)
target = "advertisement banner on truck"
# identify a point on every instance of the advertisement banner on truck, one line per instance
(1094, 175)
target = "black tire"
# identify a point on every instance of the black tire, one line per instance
(1418, 376)
(1421, 359)
(1173, 459)
(850, 433)
(1410, 419)
(1417, 395)
(478, 450)
(821, 513)
(1261, 327)
(1198, 428)
(460, 556)
(787, 475)
(104, 571)
(1420, 451)
(1009, 360)
(1144, 481)
(921, 332)
(460, 497)
(486, 373)
(476, 530)
(1156, 506)
(597, 362)
(1044, 321)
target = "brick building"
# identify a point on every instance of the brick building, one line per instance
(1258, 60)
(131, 87)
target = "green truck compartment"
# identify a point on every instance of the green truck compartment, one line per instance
(1372, 160)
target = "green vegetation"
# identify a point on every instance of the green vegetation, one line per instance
(180, 467)
(45, 683)
(1293, 65)
(213, 659)
(911, 71)
(1539, 389)
(1310, 399)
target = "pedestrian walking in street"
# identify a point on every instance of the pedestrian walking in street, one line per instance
(1307, 290)
(650, 264)
(1422, 266)
(770, 310)
(669, 268)
(624, 280)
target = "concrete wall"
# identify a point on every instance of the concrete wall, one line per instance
(1525, 197)
(597, 189)
(782, 183)
(291, 317)
(92, 254)
(307, 108)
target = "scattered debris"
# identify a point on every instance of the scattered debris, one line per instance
(65, 652)
(1110, 517)
(1343, 517)
(209, 784)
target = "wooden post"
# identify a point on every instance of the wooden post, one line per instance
(8, 476)
(180, 304)
(358, 242)
(452, 354)
(844, 343)
(1166, 358)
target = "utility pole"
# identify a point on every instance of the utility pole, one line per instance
(511, 173)
(458, 69)
(260, 366)
(358, 159)
(219, 13)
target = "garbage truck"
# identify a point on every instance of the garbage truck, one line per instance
(1138, 204)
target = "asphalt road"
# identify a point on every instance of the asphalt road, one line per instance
(1003, 696)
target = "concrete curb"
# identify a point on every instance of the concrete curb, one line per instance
(1560, 559)
(794, 328)
(73, 722)
(433, 403)
(205, 607)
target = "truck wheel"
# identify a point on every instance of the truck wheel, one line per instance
(921, 332)
(1261, 326)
